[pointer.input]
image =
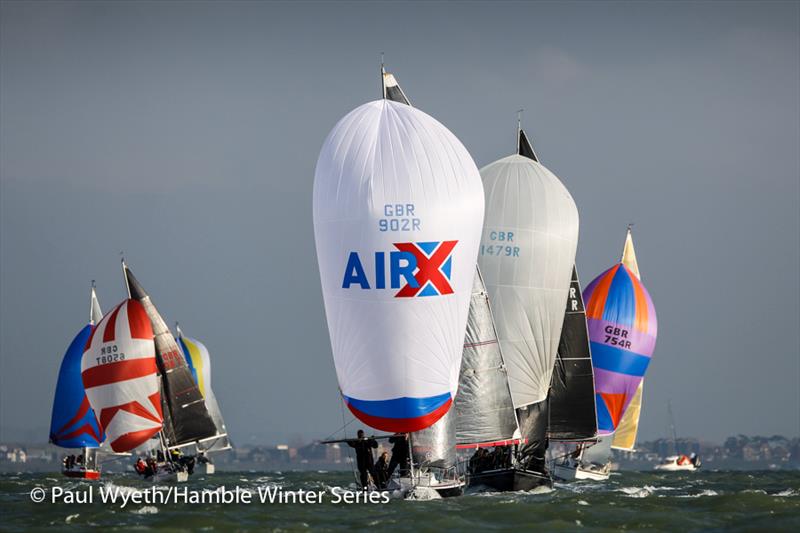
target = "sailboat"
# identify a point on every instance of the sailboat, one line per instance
(199, 361)
(680, 462)
(484, 409)
(573, 419)
(527, 253)
(186, 420)
(398, 209)
(73, 424)
(622, 328)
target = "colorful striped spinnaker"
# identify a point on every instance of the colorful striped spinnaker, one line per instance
(622, 330)
(120, 376)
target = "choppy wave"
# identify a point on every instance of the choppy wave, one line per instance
(629, 500)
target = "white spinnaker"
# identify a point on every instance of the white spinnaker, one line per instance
(118, 369)
(527, 273)
(383, 154)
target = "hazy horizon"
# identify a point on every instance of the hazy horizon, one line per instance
(186, 135)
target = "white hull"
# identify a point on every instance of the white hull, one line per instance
(210, 468)
(671, 465)
(165, 476)
(578, 473)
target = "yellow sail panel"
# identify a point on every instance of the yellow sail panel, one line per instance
(629, 255)
(625, 435)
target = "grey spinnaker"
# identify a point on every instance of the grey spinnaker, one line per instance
(186, 419)
(484, 410)
(572, 402)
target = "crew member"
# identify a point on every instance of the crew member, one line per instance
(382, 471)
(364, 459)
(399, 454)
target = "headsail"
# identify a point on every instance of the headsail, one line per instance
(484, 410)
(197, 357)
(119, 373)
(73, 423)
(572, 410)
(622, 329)
(95, 312)
(398, 207)
(186, 419)
(527, 253)
(625, 435)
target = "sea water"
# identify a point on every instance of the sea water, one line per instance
(682, 501)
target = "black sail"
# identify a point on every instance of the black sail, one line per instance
(186, 419)
(572, 402)
(525, 148)
(533, 428)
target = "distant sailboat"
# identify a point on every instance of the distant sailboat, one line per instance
(199, 361)
(398, 209)
(678, 462)
(526, 257)
(623, 329)
(73, 423)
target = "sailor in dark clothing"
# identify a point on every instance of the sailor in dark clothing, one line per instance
(399, 454)
(364, 459)
(382, 471)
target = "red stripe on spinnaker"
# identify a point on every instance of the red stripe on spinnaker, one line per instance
(119, 371)
(129, 441)
(109, 334)
(508, 442)
(155, 401)
(139, 323)
(85, 429)
(597, 301)
(133, 407)
(401, 425)
(82, 410)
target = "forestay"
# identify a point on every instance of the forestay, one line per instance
(398, 209)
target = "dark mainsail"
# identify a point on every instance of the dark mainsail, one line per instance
(484, 411)
(572, 404)
(186, 419)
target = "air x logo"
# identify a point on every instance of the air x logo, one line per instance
(434, 264)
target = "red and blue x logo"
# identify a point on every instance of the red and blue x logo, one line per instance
(434, 263)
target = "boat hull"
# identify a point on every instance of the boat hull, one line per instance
(444, 488)
(676, 468)
(82, 474)
(510, 479)
(573, 473)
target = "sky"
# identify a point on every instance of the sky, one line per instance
(186, 135)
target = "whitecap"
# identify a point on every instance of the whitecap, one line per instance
(638, 492)
(787, 493)
(147, 509)
(71, 517)
(583, 502)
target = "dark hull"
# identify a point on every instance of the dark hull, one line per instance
(510, 479)
(451, 492)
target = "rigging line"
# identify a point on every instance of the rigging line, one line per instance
(344, 429)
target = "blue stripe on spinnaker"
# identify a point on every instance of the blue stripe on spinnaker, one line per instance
(618, 360)
(399, 407)
(604, 422)
(620, 305)
(69, 399)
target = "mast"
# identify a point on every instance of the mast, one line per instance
(672, 426)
